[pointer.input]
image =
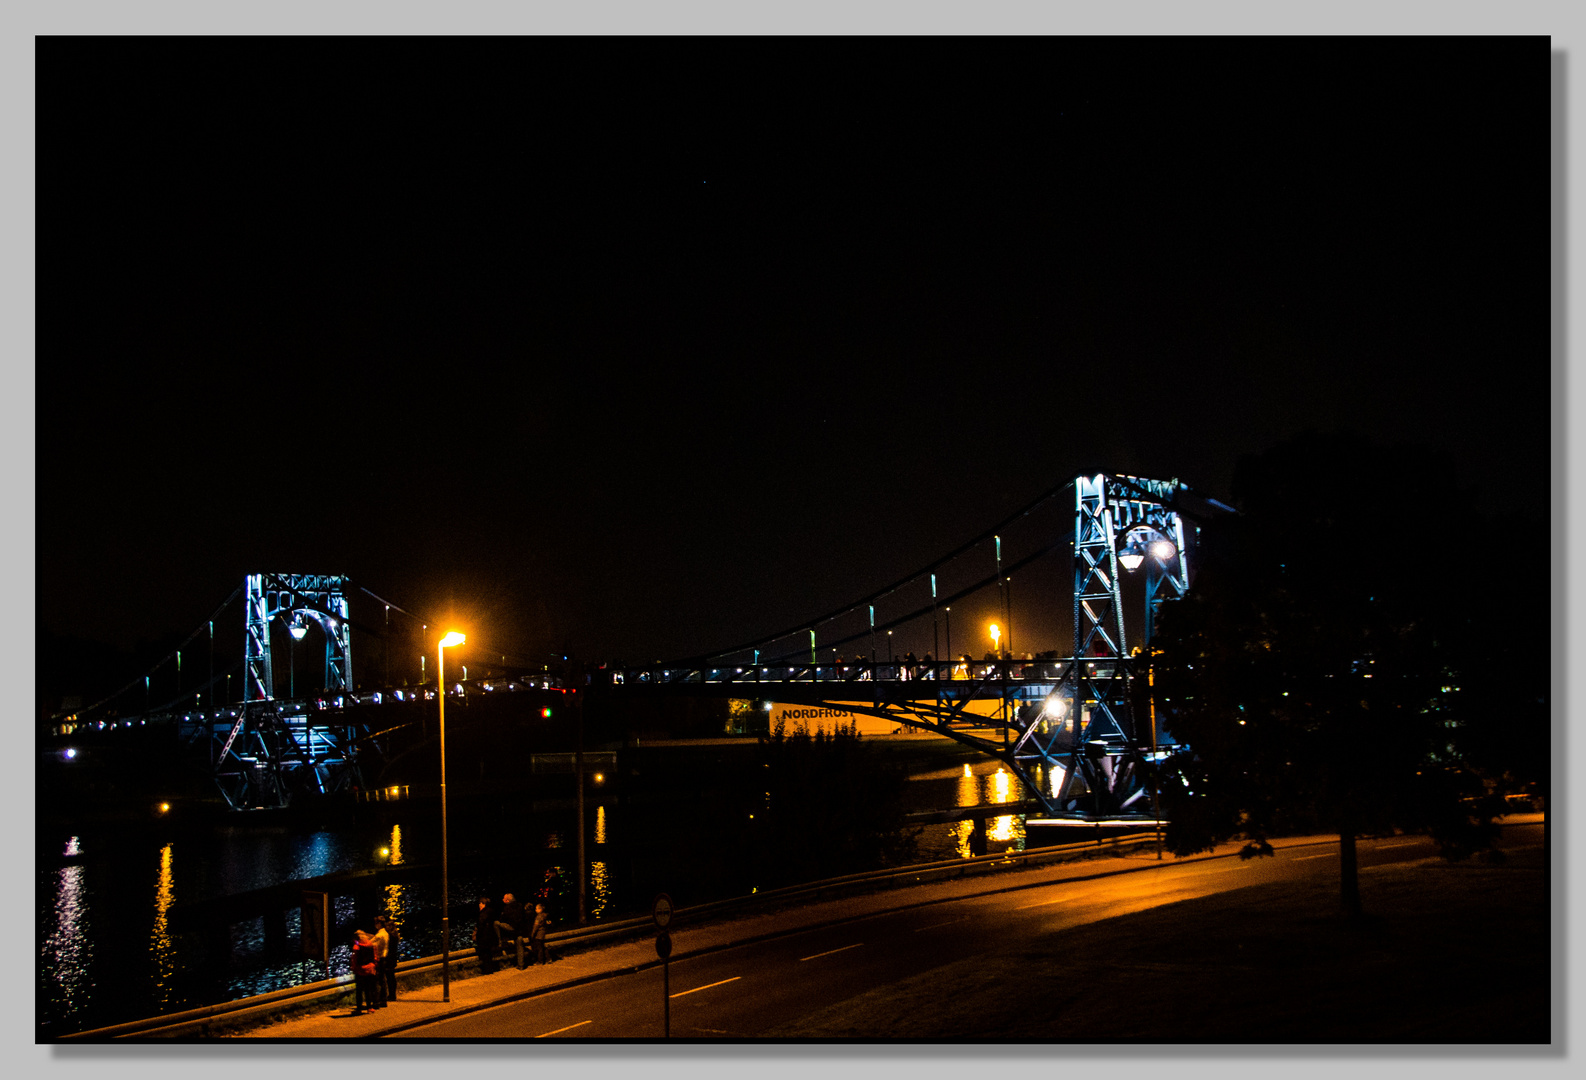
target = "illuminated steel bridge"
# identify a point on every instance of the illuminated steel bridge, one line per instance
(1076, 725)
(1076, 729)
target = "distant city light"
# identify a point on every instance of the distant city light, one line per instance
(68, 753)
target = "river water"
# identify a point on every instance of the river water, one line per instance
(110, 949)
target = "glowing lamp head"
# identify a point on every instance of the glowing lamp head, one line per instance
(165, 808)
(996, 633)
(453, 638)
(600, 778)
(1055, 705)
(1163, 549)
(385, 853)
(68, 753)
(299, 632)
(1131, 560)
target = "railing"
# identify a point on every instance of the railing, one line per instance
(861, 671)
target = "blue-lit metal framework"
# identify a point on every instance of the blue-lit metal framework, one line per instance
(1064, 726)
(274, 748)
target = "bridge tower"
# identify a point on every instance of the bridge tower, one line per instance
(1092, 733)
(277, 748)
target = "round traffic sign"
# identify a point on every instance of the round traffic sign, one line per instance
(662, 911)
(663, 944)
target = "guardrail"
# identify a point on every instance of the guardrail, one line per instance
(235, 1013)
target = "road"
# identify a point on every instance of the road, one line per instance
(749, 990)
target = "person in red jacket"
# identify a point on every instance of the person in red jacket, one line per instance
(363, 972)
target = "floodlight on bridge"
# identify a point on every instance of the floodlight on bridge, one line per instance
(453, 638)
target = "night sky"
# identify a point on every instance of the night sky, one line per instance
(647, 348)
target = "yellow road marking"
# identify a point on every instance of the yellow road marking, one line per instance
(939, 925)
(828, 952)
(1324, 855)
(707, 986)
(569, 1027)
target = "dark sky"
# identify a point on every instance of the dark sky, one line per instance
(650, 347)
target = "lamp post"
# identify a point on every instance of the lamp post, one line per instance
(452, 638)
(1133, 554)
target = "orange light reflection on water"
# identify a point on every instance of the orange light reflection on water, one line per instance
(393, 893)
(161, 946)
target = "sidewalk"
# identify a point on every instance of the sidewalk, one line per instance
(423, 1004)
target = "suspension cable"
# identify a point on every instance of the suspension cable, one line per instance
(810, 624)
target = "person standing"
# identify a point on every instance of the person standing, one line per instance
(485, 943)
(386, 963)
(363, 972)
(537, 933)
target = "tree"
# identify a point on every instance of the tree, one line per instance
(1320, 668)
(825, 805)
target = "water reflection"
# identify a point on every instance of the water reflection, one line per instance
(393, 893)
(968, 795)
(600, 889)
(600, 824)
(161, 946)
(316, 859)
(68, 950)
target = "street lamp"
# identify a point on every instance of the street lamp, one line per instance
(452, 638)
(298, 632)
(996, 636)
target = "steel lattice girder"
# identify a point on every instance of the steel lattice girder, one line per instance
(1092, 748)
(267, 754)
(320, 597)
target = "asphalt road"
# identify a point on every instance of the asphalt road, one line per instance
(749, 990)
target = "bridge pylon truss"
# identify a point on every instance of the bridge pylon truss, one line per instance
(1072, 729)
(274, 750)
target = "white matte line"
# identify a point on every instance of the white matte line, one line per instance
(828, 952)
(707, 986)
(1043, 903)
(569, 1027)
(1385, 847)
(1326, 855)
(939, 925)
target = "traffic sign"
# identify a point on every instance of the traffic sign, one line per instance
(662, 911)
(663, 945)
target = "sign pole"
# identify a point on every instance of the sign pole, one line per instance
(661, 913)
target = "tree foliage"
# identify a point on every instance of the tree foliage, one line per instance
(1332, 668)
(826, 805)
